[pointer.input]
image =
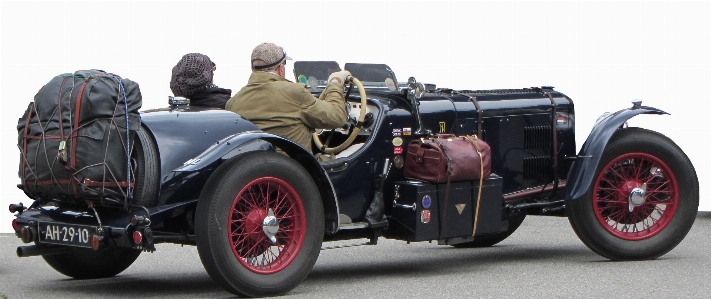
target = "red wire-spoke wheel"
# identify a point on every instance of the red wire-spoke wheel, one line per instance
(640, 202)
(259, 223)
(267, 225)
(635, 196)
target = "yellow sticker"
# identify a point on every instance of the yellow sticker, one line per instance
(397, 141)
(442, 128)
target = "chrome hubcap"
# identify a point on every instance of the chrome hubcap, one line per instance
(270, 226)
(637, 197)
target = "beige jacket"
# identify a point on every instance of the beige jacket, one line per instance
(281, 107)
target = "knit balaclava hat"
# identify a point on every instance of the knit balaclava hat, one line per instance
(192, 73)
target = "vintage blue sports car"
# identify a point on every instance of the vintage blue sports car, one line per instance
(259, 217)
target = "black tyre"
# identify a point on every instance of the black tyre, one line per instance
(642, 201)
(491, 240)
(246, 201)
(146, 169)
(83, 263)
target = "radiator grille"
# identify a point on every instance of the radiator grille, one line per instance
(537, 137)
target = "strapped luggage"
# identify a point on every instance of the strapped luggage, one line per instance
(446, 157)
(76, 138)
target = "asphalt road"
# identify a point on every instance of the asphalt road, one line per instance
(543, 259)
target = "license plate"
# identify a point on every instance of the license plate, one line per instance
(66, 234)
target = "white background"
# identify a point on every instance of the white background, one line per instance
(601, 54)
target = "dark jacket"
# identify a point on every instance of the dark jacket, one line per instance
(212, 96)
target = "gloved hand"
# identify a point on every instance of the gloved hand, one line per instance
(340, 76)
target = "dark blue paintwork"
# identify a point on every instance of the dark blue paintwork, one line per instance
(517, 124)
(183, 134)
(504, 117)
(586, 164)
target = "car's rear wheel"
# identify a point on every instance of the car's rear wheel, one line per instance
(643, 200)
(491, 240)
(259, 224)
(83, 263)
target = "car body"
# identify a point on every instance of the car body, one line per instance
(259, 216)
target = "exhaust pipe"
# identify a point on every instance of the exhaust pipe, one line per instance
(33, 250)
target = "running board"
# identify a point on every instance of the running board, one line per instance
(345, 246)
(345, 223)
(533, 191)
(356, 225)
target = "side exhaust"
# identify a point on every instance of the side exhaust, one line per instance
(33, 250)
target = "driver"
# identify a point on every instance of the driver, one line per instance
(284, 108)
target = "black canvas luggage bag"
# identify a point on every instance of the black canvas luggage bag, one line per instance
(76, 138)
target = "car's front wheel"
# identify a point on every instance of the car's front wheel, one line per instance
(643, 200)
(259, 224)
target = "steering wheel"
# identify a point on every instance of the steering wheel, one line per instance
(359, 124)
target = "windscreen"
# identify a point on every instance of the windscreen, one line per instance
(314, 74)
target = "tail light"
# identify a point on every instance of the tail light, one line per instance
(27, 234)
(16, 208)
(140, 220)
(137, 237)
(96, 241)
(14, 225)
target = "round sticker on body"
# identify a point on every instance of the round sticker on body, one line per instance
(426, 201)
(397, 141)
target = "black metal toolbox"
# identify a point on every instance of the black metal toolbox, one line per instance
(433, 211)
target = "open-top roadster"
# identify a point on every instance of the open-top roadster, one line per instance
(210, 178)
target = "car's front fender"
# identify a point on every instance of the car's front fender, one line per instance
(583, 170)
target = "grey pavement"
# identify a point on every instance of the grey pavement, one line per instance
(543, 259)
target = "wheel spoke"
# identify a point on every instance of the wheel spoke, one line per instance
(617, 214)
(266, 191)
(250, 243)
(613, 187)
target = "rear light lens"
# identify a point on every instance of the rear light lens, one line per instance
(140, 220)
(16, 208)
(96, 242)
(137, 237)
(26, 234)
(14, 225)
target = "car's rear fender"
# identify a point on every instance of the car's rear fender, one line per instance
(251, 141)
(583, 170)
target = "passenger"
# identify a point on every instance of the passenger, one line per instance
(284, 108)
(193, 79)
